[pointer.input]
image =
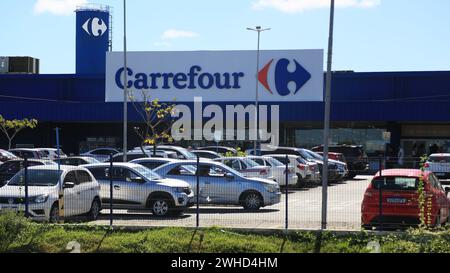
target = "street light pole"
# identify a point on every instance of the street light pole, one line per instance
(256, 143)
(125, 81)
(326, 134)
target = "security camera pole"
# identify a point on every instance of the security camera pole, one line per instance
(125, 85)
(256, 143)
(326, 134)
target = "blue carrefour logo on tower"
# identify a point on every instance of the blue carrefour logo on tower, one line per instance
(95, 27)
(283, 77)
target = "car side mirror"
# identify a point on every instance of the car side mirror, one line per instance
(69, 185)
(138, 179)
(229, 176)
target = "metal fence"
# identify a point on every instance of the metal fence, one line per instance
(206, 194)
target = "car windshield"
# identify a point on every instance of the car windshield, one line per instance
(250, 163)
(306, 155)
(39, 178)
(396, 183)
(315, 155)
(274, 162)
(439, 159)
(6, 154)
(91, 160)
(146, 172)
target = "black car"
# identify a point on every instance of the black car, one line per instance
(357, 160)
(10, 168)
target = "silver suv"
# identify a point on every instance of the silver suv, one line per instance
(137, 187)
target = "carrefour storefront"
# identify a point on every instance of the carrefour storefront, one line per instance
(88, 105)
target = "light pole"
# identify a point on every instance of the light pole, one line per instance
(125, 83)
(258, 29)
(326, 134)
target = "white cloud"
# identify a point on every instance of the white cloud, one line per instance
(175, 34)
(294, 6)
(57, 7)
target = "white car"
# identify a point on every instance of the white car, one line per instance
(277, 169)
(52, 154)
(439, 164)
(29, 153)
(101, 154)
(81, 193)
(153, 162)
(247, 167)
(307, 172)
(136, 154)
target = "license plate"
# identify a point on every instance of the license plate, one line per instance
(396, 200)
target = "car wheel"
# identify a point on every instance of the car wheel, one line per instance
(160, 207)
(252, 201)
(54, 214)
(95, 210)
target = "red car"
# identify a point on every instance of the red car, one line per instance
(400, 200)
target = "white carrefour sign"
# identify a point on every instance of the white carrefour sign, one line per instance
(218, 76)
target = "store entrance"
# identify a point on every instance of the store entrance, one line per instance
(425, 146)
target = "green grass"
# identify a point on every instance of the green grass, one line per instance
(20, 235)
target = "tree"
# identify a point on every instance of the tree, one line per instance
(12, 127)
(157, 118)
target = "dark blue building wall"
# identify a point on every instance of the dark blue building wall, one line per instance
(397, 96)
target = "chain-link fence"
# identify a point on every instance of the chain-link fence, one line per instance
(270, 192)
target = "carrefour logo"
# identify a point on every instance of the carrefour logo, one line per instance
(95, 27)
(280, 79)
(283, 77)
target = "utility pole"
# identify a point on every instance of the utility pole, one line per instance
(125, 84)
(326, 134)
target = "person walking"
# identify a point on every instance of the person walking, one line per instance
(401, 157)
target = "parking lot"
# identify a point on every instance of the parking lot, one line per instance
(304, 207)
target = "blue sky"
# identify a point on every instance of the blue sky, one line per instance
(370, 35)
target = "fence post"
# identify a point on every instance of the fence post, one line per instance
(27, 208)
(110, 190)
(287, 193)
(198, 192)
(381, 194)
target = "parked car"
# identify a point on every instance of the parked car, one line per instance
(246, 167)
(357, 159)
(12, 167)
(277, 170)
(51, 153)
(136, 154)
(81, 193)
(333, 174)
(153, 163)
(399, 196)
(101, 154)
(222, 185)
(204, 154)
(6, 156)
(341, 167)
(181, 152)
(29, 153)
(307, 172)
(439, 164)
(335, 156)
(219, 149)
(77, 160)
(137, 187)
